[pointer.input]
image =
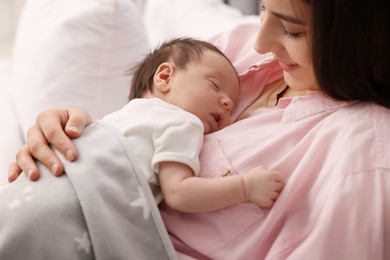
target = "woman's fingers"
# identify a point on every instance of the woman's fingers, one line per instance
(39, 149)
(13, 172)
(24, 162)
(56, 127)
(52, 127)
(78, 120)
(49, 129)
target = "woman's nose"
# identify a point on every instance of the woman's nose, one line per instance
(266, 40)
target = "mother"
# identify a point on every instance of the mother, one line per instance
(318, 111)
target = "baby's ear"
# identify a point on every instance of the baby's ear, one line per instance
(163, 76)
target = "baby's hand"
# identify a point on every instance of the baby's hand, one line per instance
(263, 186)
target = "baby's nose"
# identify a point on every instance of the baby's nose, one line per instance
(227, 103)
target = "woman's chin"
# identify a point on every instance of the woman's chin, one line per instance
(300, 83)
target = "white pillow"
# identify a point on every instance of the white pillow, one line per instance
(197, 18)
(75, 53)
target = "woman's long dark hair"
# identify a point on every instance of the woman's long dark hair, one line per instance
(351, 49)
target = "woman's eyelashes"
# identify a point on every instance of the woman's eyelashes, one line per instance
(292, 35)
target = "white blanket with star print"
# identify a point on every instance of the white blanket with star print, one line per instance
(102, 208)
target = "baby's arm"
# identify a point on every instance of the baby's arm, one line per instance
(187, 193)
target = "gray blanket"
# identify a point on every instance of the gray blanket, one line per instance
(102, 208)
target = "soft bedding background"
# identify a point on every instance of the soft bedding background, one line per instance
(75, 53)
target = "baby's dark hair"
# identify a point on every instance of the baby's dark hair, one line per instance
(180, 51)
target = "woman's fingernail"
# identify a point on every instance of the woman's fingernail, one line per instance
(29, 173)
(54, 169)
(74, 128)
(69, 155)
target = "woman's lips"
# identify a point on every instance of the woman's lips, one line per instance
(287, 67)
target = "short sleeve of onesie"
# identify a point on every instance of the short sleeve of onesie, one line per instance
(180, 142)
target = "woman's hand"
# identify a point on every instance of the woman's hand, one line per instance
(55, 127)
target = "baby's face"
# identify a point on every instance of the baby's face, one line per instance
(208, 89)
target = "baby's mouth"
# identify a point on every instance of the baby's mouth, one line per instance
(218, 119)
